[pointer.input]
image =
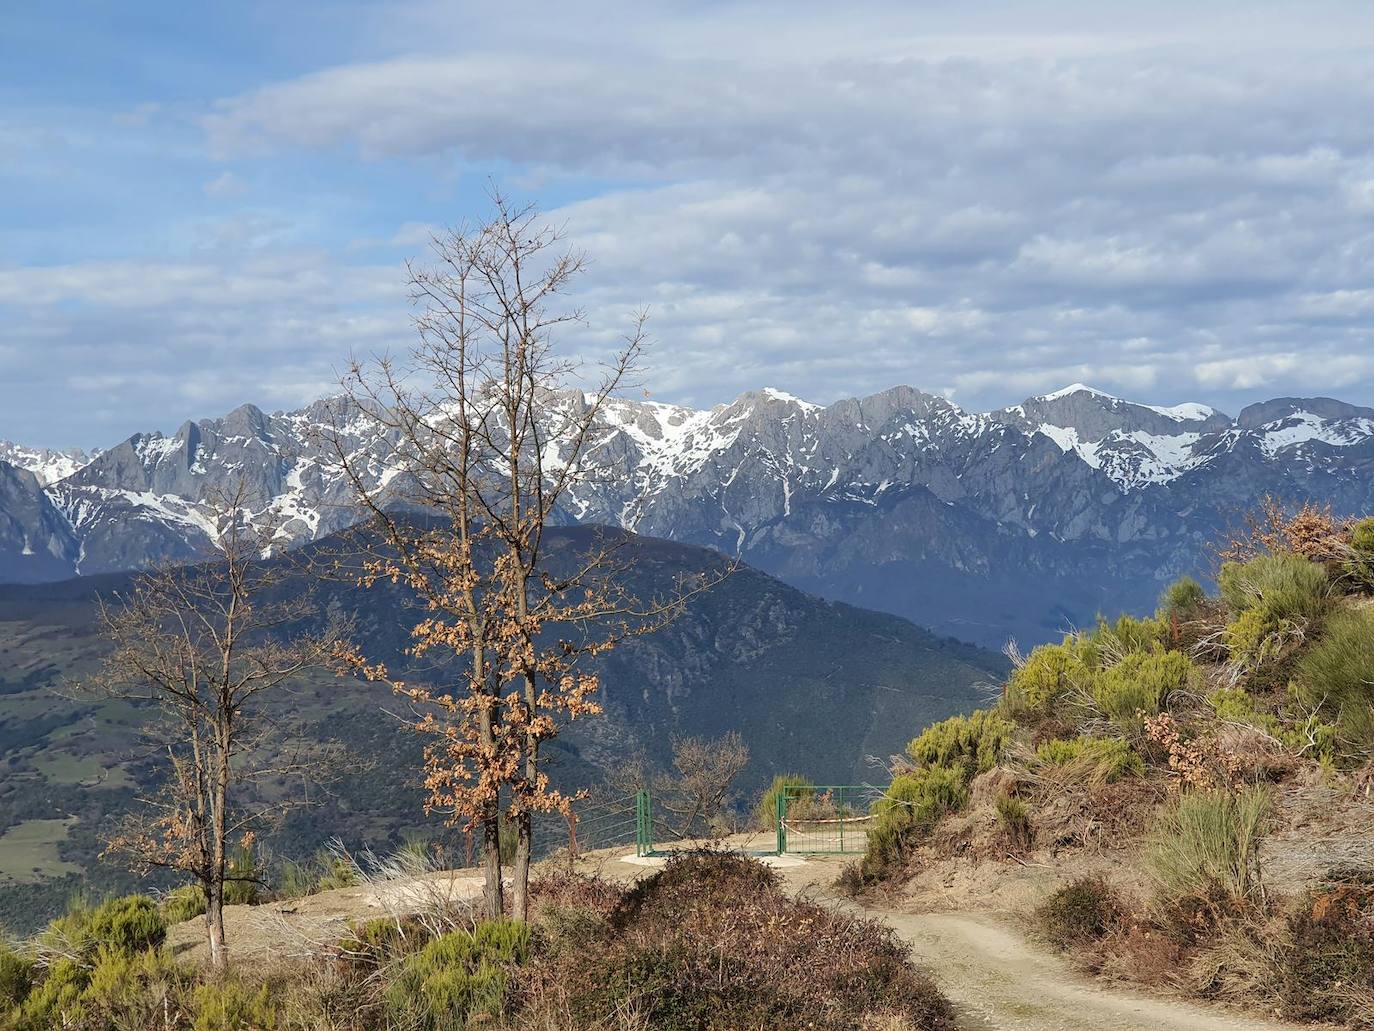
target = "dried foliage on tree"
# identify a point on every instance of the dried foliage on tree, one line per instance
(1306, 529)
(489, 443)
(208, 646)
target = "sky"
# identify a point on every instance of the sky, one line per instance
(211, 204)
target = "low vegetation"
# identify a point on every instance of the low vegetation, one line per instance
(710, 942)
(1179, 743)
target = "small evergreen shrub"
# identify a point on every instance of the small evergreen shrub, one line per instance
(766, 812)
(1328, 971)
(230, 1005)
(129, 924)
(1013, 819)
(913, 805)
(378, 941)
(1127, 635)
(184, 903)
(1097, 760)
(974, 742)
(241, 887)
(1360, 568)
(16, 977)
(1183, 600)
(1049, 672)
(712, 942)
(1283, 586)
(1337, 673)
(57, 998)
(1140, 683)
(1083, 911)
(1208, 842)
(324, 871)
(457, 977)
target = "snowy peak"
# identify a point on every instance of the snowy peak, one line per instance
(1306, 429)
(733, 472)
(47, 465)
(1133, 444)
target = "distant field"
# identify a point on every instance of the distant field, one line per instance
(86, 770)
(28, 851)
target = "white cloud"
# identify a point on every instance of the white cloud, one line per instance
(830, 199)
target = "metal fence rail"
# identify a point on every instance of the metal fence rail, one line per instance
(826, 819)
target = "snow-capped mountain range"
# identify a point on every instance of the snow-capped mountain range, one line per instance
(981, 524)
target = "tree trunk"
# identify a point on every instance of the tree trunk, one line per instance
(214, 925)
(219, 847)
(493, 894)
(520, 876)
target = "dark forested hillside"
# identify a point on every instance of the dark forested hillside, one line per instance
(811, 685)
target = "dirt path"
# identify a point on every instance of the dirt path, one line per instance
(998, 980)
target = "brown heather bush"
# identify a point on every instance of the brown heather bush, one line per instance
(1327, 971)
(711, 942)
(1080, 913)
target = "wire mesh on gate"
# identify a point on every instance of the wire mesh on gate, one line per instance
(605, 823)
(831, 818)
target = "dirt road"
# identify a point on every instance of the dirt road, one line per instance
(997, 979)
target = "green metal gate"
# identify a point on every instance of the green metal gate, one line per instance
(833, 818)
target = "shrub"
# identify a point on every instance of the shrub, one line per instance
(324, 871)
(1013, 819)
(241, 884)
(132, 989)
(229, 1005)
(184, 903)
(713, 943)
(1208, 841)
(128, 924)
(766, 812)
(1283, 586)
(1115, 641)
(1049, 672)
(1183, 600)
(16, 976)
(913, 805)
(1140, 683)
(56, 999)
(1360, 567)
(1328, 970)
(1096, 760)
(974, 742)
(457, 977)
(1080, 912)
(382, 939)
(1338, 674)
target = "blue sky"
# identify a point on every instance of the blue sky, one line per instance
(210, 204)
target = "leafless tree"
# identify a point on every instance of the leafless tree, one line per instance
(489, 444)
(208, 646)
(692, 797)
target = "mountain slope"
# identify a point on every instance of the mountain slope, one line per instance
(967, 522)
(811, 685)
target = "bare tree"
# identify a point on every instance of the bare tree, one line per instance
(208, 645)
(692, 798)
(491, 448)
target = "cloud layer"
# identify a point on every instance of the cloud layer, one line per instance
(1168, 209)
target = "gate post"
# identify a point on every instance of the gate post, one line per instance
(644, 825)
(781, 807)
